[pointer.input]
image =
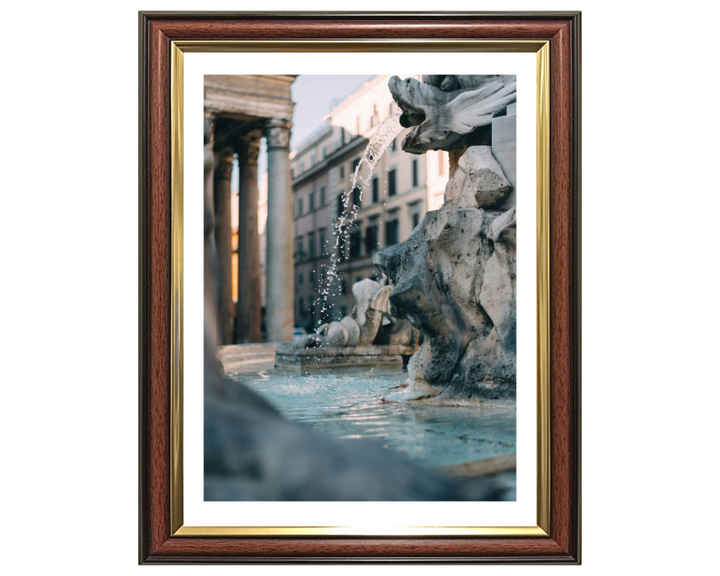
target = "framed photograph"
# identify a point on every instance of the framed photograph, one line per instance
(359, 287)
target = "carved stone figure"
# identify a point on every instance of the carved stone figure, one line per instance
(369, 336)
(361, 328)
(442, 115)
(455, 277)
(371, 298)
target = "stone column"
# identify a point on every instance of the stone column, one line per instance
(280, 272)
(209, 268)
(249, 299)
(223, 244)
(210, 120)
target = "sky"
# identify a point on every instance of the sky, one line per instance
(314, 96)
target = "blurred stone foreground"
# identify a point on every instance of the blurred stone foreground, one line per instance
(253, 453)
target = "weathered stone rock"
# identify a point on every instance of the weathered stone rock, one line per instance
(353, 330)
(504, 146)
(337, 334)
(398, 331)
(476, 180)
(457, 286)
(455, 275)
(489, 184)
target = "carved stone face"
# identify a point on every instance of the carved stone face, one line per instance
(405, 93)
(441, 117)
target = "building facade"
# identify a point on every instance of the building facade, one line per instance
(400, 190)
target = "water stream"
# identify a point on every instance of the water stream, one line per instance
(379, 143)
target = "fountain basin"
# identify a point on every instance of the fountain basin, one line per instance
(347, 405)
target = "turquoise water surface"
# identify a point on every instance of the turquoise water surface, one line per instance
(347, 405)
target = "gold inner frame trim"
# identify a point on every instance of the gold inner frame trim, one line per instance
(224, 531)
(542, 49)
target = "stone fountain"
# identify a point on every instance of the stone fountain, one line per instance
(369, 336)
(252, 453)
(455, 276)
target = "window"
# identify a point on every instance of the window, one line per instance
(311, 277)
(313, 159)
(311, 202)
(393, 145)
(322, 243)
(302, 167)
(355, 164)
(374, 117)
(391, 109)
(341, 204)
(415, 220)
(324, 152)
(343, 286)
(301, 306)
(375, 190)
(358, 279)
(356, 244)
(441, 163)
(311, 245)
(414, 173)
(342, 172)
(322, 195)
(371, 239)
(292, 172)
(342, 138)
(356, 197)
(301, 281)
(300, 249)
(300, 207)
(391, 232)
(392, 186)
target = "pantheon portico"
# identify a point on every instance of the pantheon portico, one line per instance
(241, 110)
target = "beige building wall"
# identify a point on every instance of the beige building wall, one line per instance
(406, 186)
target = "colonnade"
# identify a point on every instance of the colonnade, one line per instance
(241, 323)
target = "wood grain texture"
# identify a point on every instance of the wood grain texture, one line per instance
(157, 30)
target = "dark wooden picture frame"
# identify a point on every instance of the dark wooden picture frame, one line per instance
(158, 32)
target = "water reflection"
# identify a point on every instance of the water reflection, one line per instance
(348, 406)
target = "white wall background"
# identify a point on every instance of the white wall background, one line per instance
(68, 295)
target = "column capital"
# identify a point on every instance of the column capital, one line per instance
(224, 163)
(210, 121)
(248, 149)
(277, 132)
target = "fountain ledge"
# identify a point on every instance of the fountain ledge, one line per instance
(288, 357)
(236, 357)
